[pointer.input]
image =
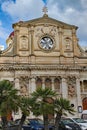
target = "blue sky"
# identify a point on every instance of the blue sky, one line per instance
(69, 11)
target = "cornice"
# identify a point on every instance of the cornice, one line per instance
(44, 19)
(22, 67)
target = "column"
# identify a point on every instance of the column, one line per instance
(43, 82)
(17, 86)
(78, 92)
(33, 85)
(53, 84)
(64, 88)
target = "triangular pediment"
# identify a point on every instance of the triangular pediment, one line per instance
(45, 19)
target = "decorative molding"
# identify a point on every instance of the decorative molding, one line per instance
(13, 67)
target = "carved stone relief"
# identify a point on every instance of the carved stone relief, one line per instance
(71, 81)
(24, 81)
(42, 30)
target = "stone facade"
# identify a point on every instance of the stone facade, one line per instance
(45, 52)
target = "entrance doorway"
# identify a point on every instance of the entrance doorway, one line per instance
(84, 103)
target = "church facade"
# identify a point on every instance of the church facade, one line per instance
(45, 52)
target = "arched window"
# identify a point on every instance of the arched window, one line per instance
(57, 84)
(85, 85)
(38, 83)
(48, 83)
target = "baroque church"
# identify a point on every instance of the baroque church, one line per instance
(45, 52)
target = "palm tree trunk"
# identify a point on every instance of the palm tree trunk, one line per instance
(45, 117)
(22, 121)
(57, 120)
(4, 123)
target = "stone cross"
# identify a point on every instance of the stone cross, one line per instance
(45, 10)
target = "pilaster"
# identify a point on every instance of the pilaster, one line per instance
(53, 84)
(32, 44)
(78, 92)
(43, 82)
(64, 88)
(74, 42)
(33, 84)
(17, 86)
(16, 40)
(60, 42)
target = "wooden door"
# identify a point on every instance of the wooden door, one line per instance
(84, 103)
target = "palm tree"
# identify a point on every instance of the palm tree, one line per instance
(61, 107)
(25, 105)
(41, 103)
(9, 100)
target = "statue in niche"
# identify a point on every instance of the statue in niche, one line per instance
(67, 43)
(23, 43)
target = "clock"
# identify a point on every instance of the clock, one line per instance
(46, 43)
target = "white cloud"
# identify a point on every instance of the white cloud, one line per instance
(70, 12)
(3, 31)
(72, 16)
(23, 9)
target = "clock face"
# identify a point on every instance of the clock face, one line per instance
(46, 43)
